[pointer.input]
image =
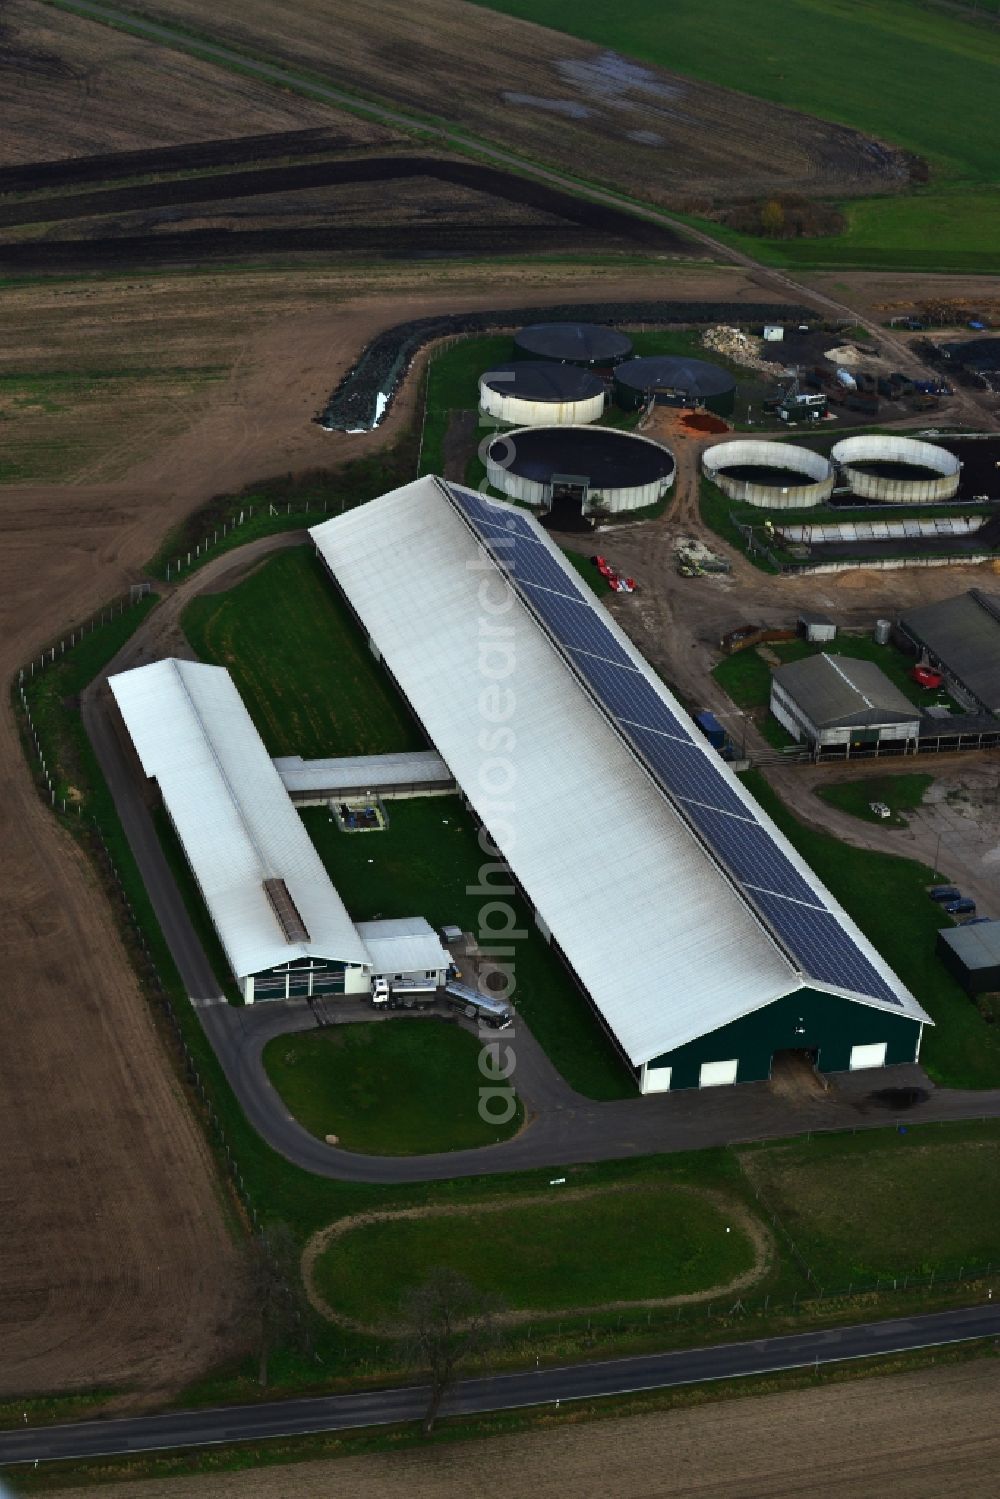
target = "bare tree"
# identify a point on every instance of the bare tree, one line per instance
(446, 1321)
(278, 1305)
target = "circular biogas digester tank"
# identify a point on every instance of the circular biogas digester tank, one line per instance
(590, 345)
(672, 380)
(773, 475)
(594, 469)
(897, 470)
(534, 393)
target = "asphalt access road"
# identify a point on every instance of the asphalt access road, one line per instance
(248, 1423)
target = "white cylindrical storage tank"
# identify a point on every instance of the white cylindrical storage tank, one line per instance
(897, 470)
(883, 630)
(772, 475)
(610, 471)
(531, 393)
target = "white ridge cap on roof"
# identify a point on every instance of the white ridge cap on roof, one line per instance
(233, 816)
(657, 933)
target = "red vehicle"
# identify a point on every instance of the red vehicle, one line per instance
(926, 676)
(614, 580)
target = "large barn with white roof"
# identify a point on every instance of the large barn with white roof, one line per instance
(704, 942)
(282, 925)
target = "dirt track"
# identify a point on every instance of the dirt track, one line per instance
(105, 1169)
(923, 1435)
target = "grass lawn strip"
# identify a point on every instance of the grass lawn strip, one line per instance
(300, 663)
(901, 794)
(752, 1243)
(428, 862)
(884, 1206)
(404, 1086)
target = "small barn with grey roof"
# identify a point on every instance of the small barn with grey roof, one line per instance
(961, 637)
(828, 700)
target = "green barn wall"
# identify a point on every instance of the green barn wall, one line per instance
(831, 1026)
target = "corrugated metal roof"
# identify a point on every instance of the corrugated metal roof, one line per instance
(407, 945)
(363, 772)
(964, 634)
(238, 828)
(656, 932)
(840, 692)
(976, 943)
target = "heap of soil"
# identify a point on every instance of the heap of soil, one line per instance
(703, 421)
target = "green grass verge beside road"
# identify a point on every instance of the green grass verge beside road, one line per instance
(404, 1086)
(887, 897)
(300, 662)
(885, 1205)
(428, 862)
(900, 793)
(546, 1255)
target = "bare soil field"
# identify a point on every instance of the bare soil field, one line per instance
(96, 375)
(553, 98)
(919, 1434)
(352, 208)
(63, 80)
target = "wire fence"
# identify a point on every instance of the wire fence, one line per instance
(217, 535)
(46, 753)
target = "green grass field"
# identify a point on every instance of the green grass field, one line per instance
(428, 863)
(300, 663)
(885, 1204)
(917, 76)
(901, 794)
(400, 1087)
(544, 1254)
(887, 897)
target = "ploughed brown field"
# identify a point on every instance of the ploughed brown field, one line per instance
(73, 88)
(543, 95)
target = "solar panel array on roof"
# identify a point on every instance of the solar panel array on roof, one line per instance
(789, 906)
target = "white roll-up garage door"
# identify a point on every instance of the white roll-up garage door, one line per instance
(868, 1056)
(714, 1073)
(656, 1079)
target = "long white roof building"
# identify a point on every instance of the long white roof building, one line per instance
(669, 934)
(265, 886)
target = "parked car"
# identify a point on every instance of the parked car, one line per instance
(964, 906)
(944, 892)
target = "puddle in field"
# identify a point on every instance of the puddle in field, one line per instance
(610, 78)
(567, 107)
